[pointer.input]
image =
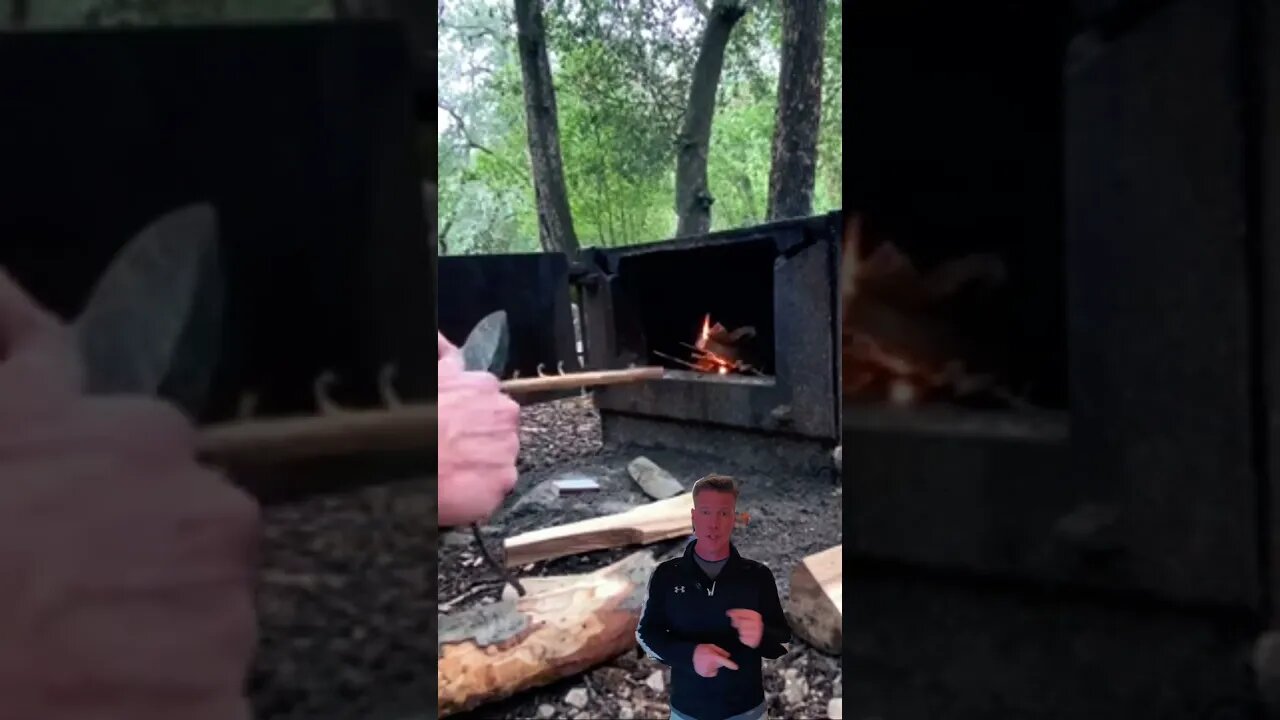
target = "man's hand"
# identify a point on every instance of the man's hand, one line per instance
(128, 568)
(479, 440)
(708, 659)
(749, 624)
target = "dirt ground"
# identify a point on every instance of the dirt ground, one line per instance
(346, 608)
(794, 512)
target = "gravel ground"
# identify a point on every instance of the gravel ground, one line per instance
(346, 608)
(793, 513)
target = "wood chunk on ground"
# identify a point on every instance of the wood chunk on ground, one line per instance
(656, 482)
(815, 604)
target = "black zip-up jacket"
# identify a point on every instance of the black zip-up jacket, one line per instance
(685, 608)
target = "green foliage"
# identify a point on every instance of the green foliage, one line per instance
(621, 70)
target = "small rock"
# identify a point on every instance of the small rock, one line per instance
(796, 688)
(577, 697)
(546, 711)
(625, 712)
(835, 709)
(655, 681)
(456, 538)
(656, 482)
(838, 456)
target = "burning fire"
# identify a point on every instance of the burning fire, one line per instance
(710, 361)
(716, 350)
(866, 362)
(893, 365)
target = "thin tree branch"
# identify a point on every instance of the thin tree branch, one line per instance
(473, 143)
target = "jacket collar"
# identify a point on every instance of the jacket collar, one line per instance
(690, 563)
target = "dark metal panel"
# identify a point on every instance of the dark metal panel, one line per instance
(1267, 142)
(532, 288)
(802, 400)
(1160, 347)
(300, 135)
(961, 490)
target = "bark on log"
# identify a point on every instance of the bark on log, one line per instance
(795, 131)
(815, 603)
(654, 522)
(555, 221)
(693, 197)
(563, 626)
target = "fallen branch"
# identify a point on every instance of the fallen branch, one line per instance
(562, 627)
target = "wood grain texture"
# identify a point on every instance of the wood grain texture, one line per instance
(563, 626)
(654, 522)
(815, 605)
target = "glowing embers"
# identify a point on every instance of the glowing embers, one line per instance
(717, 350)
(911, 337)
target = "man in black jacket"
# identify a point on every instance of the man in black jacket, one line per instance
(712, 615)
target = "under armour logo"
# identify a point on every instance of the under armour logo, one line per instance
(679, 588)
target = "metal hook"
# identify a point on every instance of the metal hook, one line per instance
(515, 374)
(386, 386)
(320, 388)
(540, 371)
(560, 367)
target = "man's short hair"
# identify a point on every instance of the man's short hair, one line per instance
(719, 483)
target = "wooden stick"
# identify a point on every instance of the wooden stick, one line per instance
(582, 379)
(410, 427)
(406, 427)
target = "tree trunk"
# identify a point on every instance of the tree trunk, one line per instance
(555, 222)
(795, 132)
(693, 198)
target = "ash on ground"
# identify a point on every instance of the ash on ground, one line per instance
(346, 607)
(794, 513)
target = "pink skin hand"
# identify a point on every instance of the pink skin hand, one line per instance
(126, 569)
(478, 440)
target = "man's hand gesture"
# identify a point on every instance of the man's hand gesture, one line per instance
(749, 624)
(708, 659)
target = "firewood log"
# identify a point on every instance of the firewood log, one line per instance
(650, 523)
(563, 626)
(814, 606)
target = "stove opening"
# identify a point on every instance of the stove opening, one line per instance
(953, 285)
(700, 311)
